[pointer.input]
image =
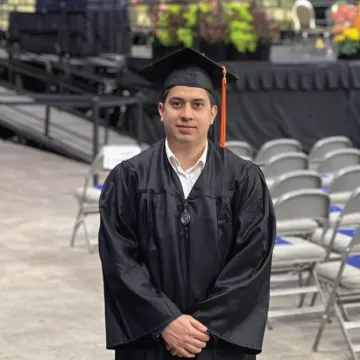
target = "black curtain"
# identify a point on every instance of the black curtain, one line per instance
(304, 102)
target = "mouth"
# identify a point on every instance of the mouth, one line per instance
(186, 127)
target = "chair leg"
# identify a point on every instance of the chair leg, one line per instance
(87, 238)
(345, 332)
(307, 283)
(326, 316)
(78, 221)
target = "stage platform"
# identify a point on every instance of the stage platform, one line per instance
(52, 296)
(302, 100)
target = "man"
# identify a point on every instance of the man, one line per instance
(186, 235)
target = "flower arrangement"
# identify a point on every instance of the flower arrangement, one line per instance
(346, 28)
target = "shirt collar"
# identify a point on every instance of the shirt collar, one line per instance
(173, 160)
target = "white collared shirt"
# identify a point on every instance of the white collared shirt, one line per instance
(187, 177)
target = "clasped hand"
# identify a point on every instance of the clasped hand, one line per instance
(185, 336)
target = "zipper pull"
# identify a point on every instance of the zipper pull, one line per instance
(185, 216)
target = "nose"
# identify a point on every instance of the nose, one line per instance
(187, 113)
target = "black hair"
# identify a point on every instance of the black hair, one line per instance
(212, 97)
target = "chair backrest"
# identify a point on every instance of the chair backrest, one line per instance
(109, 156)
(283, 163)
(303, 14)
(295, 180)
(325, 145)
(353, 203)
(303, 204)
(276, 147)
(240, 148)
(339, 159)
(354, 247)
(346, 179)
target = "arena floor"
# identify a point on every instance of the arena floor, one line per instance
(51, 305)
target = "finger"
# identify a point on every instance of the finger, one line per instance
(200, 335)
(184, 353)
(193, 349)
(197, 324)
(197, 343)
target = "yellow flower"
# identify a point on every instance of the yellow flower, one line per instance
(352, 34)
(339, 38)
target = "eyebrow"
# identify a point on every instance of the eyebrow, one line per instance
(181, 99)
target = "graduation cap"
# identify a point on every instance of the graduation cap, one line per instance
(189, 67)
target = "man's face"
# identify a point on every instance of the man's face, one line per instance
(187, 114)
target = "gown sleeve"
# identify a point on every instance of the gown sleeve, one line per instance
(236, 307)
(134, 308)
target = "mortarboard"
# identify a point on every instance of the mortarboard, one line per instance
(188, 67)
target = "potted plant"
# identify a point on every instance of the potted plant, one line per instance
(172, 31)
(242, 38)
(346, 31)
(265, 32)
(213, 32)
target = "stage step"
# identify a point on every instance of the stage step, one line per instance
(68, 134)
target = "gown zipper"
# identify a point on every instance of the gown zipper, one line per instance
(185, 220)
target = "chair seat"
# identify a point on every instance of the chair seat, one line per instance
(347, 220)
(296, 227)
(350, 278)
(341, 240)
(340, 198)
(92, 195)
(293, 250)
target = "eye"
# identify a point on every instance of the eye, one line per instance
(198, 105)
(175, 103)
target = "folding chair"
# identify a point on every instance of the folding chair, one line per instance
(338, 235)
(240, 148)
(295, 180)
(280, 164)
(299, 213)
(88, 195)
(324, 146)
(276, 147)
(343, 183)
(337, 160)
(340, 284)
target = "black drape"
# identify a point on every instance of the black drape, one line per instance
(302, 101)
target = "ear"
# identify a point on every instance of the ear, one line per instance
(161, 110)
(214, 111)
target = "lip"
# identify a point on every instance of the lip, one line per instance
(186, 126)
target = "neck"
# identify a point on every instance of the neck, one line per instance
(187, 154)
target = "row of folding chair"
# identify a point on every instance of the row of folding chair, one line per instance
(323, 251)
(280, 146)
(339, 188)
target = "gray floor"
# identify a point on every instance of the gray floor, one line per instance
(51, 305)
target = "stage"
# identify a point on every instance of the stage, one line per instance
(305, 101)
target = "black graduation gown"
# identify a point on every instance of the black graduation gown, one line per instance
(216, 268)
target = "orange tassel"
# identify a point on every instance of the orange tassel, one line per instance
(223, 110)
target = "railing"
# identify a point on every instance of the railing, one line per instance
(96, 103)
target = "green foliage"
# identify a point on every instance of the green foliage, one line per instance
(167, 32)
(349, 47)
(241, 28)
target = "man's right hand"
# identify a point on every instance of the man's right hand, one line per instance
(185, 336)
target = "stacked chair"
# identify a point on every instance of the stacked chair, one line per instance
(88, 194)
(316, 257)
